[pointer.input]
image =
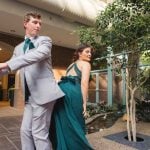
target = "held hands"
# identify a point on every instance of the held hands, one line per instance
(3, 66)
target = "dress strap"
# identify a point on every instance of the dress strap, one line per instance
(76, 69)
(78, 72)
(69, 68)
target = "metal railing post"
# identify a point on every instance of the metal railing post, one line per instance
(97, 88)
(123, 74)
(110, 80)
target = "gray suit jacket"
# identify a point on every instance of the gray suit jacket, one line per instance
(36, 66)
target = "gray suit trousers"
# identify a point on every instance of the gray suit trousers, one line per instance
(35, 126)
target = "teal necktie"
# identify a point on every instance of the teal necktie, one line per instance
(31, 45)
(26, 44)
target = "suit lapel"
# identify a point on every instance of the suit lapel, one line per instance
(20, 49)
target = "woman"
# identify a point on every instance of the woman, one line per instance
(68, 124)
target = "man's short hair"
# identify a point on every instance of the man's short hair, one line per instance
(31, 14)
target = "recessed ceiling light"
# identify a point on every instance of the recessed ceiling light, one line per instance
(0, 48)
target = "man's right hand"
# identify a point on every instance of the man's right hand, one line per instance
(3, 66)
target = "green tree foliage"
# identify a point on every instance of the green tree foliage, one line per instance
(123, 25)
(145, 57)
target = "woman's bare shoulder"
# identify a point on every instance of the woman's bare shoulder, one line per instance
(86, 64)
(82, 62)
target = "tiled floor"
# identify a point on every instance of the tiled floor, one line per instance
(6, 110)
(9, 133)
(10, 121)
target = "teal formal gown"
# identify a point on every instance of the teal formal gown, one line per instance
(68, 124)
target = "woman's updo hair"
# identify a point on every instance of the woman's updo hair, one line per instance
(80, 50)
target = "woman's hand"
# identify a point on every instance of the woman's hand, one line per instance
(85, 114)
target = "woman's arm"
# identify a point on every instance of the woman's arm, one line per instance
(86, 68)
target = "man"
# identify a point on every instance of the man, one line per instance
(33, 58)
